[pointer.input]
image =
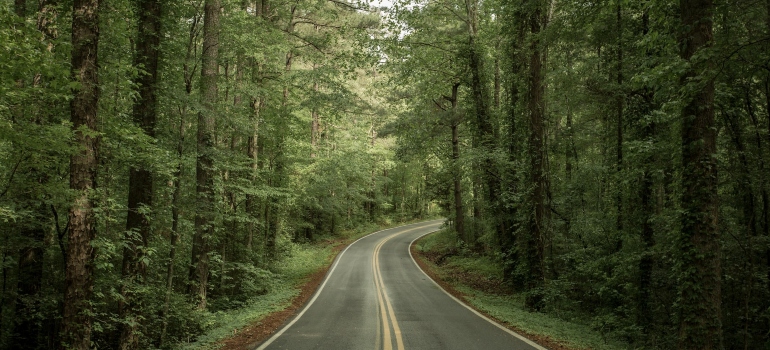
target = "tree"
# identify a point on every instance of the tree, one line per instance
(204, 229)
(700, 324)
(76, 321)
(140, 179)
(532, 241)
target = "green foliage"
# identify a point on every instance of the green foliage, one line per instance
(266, 182)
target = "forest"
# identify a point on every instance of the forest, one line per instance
(160, 160)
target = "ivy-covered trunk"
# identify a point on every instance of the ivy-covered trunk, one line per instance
(532, 240)
(700, 323)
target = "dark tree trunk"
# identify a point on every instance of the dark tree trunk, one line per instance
(647, 261)
(765, 199)
(175, 203)
(76, 319)
(252, 147)
(485, 131)
(252, 151)
(204, 171)
(457, 178)
(273, 206)
(619, 102)
(568, 148)
(647, 210)
(700, 323)
(31, 256)
(497, 83)
(533, 241)
(20, 7)
(30, 278)
(511, 208)
(140, 190)
(458, 197)
(315, 124)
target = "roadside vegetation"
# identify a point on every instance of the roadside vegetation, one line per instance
(478, 281)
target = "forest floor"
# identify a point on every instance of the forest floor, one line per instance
(476, 282)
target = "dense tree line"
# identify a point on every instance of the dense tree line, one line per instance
(611, 155)
(159, 158)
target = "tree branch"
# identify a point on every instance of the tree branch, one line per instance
(60, 234)
(10, 178)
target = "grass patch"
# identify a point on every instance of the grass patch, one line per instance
(479, 279)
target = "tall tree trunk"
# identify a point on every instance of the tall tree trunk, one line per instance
(274, 204)
(765, 199)
(457, 178)
(646, 262)
(485, 130)
(76, 319)
(647, 209)
(700, 322)
(458, 196)
(204, 171)
(252, 151)
(140, 187)
(619, 102)
(533, 240)
(315, 125)
(30, 278)
(175, 202)
(177, 194)
(30, 264)
(511, 208)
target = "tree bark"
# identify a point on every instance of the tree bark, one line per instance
(30, 278)
(175, 199)
(458, 196)
(274, 204)
(204, 171)
(700, 287)
(647, 210)
(533, 241)
(252, 151)
(140, 186)
(619, 102)
(315, 125)
(485, 131)
(76, 319)
(31, 256)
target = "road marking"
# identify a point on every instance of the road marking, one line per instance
(387, 343)
(517, 335)
(385, 306)
(275, 336)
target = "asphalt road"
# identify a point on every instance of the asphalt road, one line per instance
(375, 297)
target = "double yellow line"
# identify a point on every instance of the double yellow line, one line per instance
(385, 307)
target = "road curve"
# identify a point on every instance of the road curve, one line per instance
(376, 298)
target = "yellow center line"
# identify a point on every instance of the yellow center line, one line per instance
(387, 344)
(386, 308)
